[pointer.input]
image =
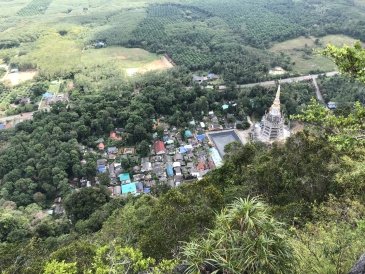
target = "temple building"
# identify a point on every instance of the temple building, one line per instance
(272, 127)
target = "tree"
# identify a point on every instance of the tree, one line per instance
(113, 259)
(55, 267)
(79, 253)
(181, 214)
(245, 239)
(345, 132)
(12, 228)
(81, 204)
(333, 242)
(143, 148)
(104, 179)
(349, 60)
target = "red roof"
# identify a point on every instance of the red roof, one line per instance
(201, 166)
(101, 146)
(159, 147)
(113, 135)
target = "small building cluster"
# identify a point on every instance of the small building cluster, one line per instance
(50, 98)
(175, 157)
(201, 79)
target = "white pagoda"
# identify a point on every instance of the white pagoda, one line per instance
(273, 122)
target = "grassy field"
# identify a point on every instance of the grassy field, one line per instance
(35, 25)
(128, 60)
(53, 55)
(304, 52)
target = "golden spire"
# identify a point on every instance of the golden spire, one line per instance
(275, 108)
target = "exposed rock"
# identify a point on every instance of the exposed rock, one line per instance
(359, 267)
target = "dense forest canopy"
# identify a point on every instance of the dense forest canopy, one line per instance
(288, 207)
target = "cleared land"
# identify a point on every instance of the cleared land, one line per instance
(16, 78)
(51, 35)
(129, 60)
(304, 55)
(54, 54)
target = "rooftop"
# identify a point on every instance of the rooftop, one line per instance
(129, 188)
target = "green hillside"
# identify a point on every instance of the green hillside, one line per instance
(116, 122)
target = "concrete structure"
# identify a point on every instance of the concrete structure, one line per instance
(222, 138)
(273, 121)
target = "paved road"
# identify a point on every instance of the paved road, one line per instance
(318, 92)
(11, 121)
(290, 80)
(312, 78)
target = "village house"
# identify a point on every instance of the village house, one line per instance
(199, 79)
(101, 146)
(146, 167)
(129, 151)
(332, 105)
(101, 165)
(159, 148)
(129, 188)
(124, 178)
(114, 136)
(112, 150)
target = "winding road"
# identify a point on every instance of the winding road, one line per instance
(11, 121)
(311, 77)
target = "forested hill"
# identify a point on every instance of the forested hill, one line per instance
(222, 36)
(230, 38)
(102, 171)
(296, 207)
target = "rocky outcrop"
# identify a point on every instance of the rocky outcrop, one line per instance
(359, 267)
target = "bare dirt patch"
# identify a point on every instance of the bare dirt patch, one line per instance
(161, 64)
(132, 71)
(277, 71)
(17, 78)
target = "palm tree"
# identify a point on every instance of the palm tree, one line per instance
(246, 239)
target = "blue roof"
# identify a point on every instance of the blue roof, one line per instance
(146, 190)
(112, 149)
(170, 171)
(2, 126)
(129, 188)
(47, 95)
(183, 150)
(188, 134)
(101, 169)
(124, 177)
(139, 186)
(200, 137)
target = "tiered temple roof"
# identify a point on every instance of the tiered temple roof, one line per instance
(273, 121)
